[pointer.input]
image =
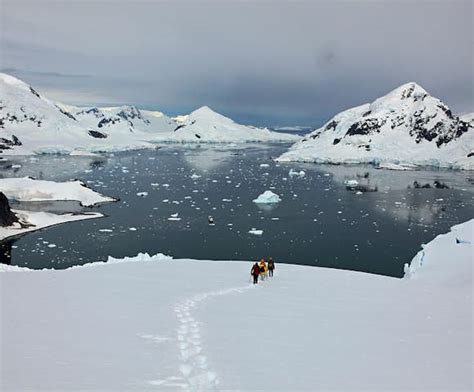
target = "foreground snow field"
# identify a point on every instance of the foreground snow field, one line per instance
(152, 323)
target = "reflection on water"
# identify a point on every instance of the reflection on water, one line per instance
(376, 224)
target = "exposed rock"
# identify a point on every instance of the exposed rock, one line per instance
(7, 217)
(97, 134)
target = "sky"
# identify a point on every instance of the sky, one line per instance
(258, 62)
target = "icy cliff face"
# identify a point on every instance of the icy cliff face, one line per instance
(407, 125)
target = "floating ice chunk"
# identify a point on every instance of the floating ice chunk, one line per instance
(142, 194)
(255, 231)
(52, 246)
(294, 173)
(264, 165)
(106, 230)
(351, 183)
(195, 176)
(174, 219)
(132, 228)
(267, 197)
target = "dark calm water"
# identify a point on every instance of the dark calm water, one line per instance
(318, 222)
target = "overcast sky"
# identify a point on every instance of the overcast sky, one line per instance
(260, 62)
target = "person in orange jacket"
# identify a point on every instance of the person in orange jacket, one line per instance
(263, 269)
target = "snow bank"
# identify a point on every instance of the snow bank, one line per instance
(29, 189)
(445, 254)
(267, 197)
(32, 221)
(319, 327)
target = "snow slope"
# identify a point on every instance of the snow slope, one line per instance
(205, 125)
(151, 323)
(405, 127)
(32, 124)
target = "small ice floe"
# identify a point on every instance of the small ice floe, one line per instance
(255, 231)
(264, 165)
(106, 230)
(52, 246)
(16, 166)
(195, 176)
(142, 194)
(132, 229)
(174, 217)
(358, 193)
(267, 197)
(275, 219)
(154, 184)
(294, 173)
(166, 185)
(351, 183)
(227, 200)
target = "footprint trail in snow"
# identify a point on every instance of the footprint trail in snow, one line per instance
(195, 374)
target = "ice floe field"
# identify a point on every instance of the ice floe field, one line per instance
(351, 217)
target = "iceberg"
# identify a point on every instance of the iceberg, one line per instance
(267, 197)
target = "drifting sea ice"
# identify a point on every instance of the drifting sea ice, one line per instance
(294, 173)
(267, 197)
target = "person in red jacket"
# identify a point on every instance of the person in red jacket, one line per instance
(255, 271)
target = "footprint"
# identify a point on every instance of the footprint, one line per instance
(185, 370)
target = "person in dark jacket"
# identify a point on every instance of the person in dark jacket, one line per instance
(255, 271)
(271, 266)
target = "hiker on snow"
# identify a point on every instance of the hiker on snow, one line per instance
(271, 266)
(255, 271)
(263, 269)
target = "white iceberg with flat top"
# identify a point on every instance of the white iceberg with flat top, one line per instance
(29, 189)
(267, 197)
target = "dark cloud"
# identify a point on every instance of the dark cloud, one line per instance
(262, 62)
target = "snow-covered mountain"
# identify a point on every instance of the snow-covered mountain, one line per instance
(205, 125)
(31, 123)
(406, 126)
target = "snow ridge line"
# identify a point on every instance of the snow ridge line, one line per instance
(194, 367)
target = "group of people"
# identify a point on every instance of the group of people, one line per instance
(262, 269)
